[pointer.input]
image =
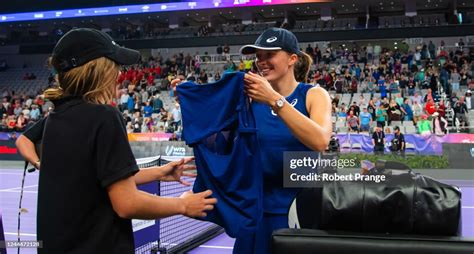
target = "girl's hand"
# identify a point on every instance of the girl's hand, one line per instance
(173, 171)
(259, 89)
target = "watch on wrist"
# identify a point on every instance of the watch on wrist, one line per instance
(280, 103)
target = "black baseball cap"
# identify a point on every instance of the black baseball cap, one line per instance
(274, 39)
(82, 45)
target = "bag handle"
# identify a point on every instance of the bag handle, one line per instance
(382, 165)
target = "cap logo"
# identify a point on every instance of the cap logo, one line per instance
(272, 39)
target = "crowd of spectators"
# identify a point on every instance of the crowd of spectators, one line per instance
(18, 111)
(392, 81)
(144, 87)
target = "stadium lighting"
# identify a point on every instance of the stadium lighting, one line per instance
(135, 9)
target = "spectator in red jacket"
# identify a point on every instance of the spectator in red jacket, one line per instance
(158, 71)
(430, 107)
(151, 79)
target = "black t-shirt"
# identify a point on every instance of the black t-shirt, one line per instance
(356, 110)
(127, 119)
(460, 108)
(378, 138)
(403, 83)
(35, 132)
(395, 113)
(404, 60)
(85, 150)
(397, 142)
(371, 110)
(3, 111)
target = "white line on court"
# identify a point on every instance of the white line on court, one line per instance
(216, 247)
(468, 207)
(18, 188)
(17, 191)
(21, 234)
(202, 246)
(169, 244)
(17, 174)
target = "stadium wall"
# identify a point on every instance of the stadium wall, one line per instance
(304, 37)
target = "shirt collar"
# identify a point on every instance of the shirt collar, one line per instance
(66, 102)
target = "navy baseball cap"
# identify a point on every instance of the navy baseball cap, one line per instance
(274, 39)
(82, 45)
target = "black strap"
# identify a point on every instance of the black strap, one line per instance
(382, 165)
(21, 199)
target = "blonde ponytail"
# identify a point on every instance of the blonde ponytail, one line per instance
(54, 93)
(95, 81)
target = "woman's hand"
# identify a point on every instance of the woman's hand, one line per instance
(259, 89)
(173, 171)
(174, 84)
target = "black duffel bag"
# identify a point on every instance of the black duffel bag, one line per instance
(405, 203)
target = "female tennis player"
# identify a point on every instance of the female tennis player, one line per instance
(290, 116)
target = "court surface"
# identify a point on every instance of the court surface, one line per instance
(10, 182)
